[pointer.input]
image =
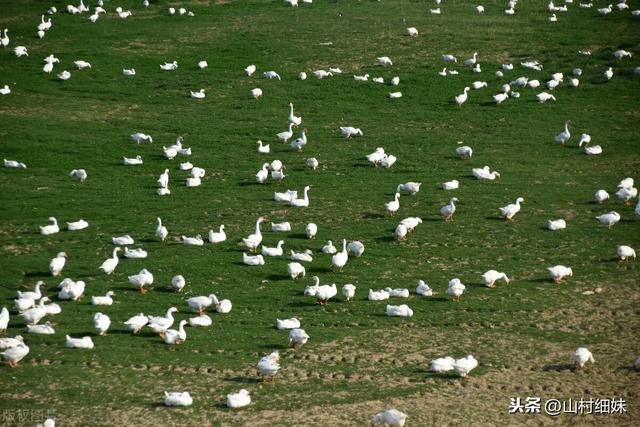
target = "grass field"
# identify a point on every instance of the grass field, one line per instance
(358, 361)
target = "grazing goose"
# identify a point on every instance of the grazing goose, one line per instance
(490, 277)
(557, 224)
(268, 365)
(601, 196)
(176, 337)
(412, 32)
(411, 222)
(455, 289)
(509, 211)
(296, 270)
(447, 211)
(626, 194)
(103, 300)
(14, 164)
(462, 98)
(84, 342)
(218, 237)
(101, 323)
(254, 240)
(256, 260)
(202, 64)
(356, 248)
(449, 58)
(559, 272)
(626, 252)
(140, 137)
(350, 131)
(401, 232)
(20, 51)
(384, 61)
(137, 160)
(177, 398)
(423, 289)
(544, 97)
(395, 95)
(609, 219)
(485, 174)
(465, 365)
(57, 264)
(378, 295)
(411, 187)
(443, 364)
(65, 75)
(284, 324)
(390, 417)
(302, 75)
(563, 136)
(137, 253)
(110, 264)
(465, 152)
(82, 64)
(478, 85)
(375, 157)
(500, 98)
(250, 69)
(581, 356)
(297, 338)
(142, 279)
(312, 163)
(388, 160)
(14, 355)
(399, 311)
(81, 224)
(271, 75)
(348, 291)
(256, 93)
(193, 241)
(50, 229)
(137, 322)
(239, 399)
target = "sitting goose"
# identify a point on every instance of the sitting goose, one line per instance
(218, 237)
(268, 366)
(281, 226)
(306, 256)
(390, 417)
(263, 149)
(193, 241)
(273, 251)
(80, 224)
(329, 249)
(485, 173)
(239, 399)
(557, 224)
(423, 289)
(137, 253)
(291, 323)
(256, 260)
(177, 398)
(399, 311)
(84, 342)
(122, 240)
(51, 228)
(201, 321)
(172, 336)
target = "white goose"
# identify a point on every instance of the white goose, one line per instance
(311, 230)
(263, 149)
(50, 229)
(34, 315)
(103, 300)
(14, 164)
(399, 311)
(609, 219)
(451, 185)
(140, 137)
(557, 224)
(177, 398)
(14, 355)
(169, 66)
(299, 143)
(306, 256)
(137, 160)
(329, 249)
(142, 279)
(293, 119)
(159, 324)
(411, 187)
(393, 206)
(375, 157)
(36, 294)
(286, 135)
(110, 264)
(509, 211)
(559, 272)
(350, 131)
(137, 322)
(256, 260)
(52, 309)
(254, 240)
(193, 241)
(626, 194)
(465, 365)
(447, 211)
(298, 338)
(325, 292)
(80, 224)
(581, 356)
(390, 417)
(268, 366)
(250, 69)
(601, 196)
(304, 202)
(356, 247)
(198, 94)
(380, 295)
(271, 75)
(592, 150)
(161, 230)
(45, 329)
(485, 173)
(218, 237)
(256, 93)
(172, 336)
(201, 321)
(462, 98)
(281, 227)
(84, 342)
(122, 240)
(348, 291)
(284, 324)
(296, 270)
(625, 252)
(137, 253)
(455, 289)
(465, 152)
(490, 277)
(57, 264)
(340, 259)
(563, 136)
(101, 323)
(4, 320)
(423, 289)
(70, 290)
(443, 364)
(239, 399)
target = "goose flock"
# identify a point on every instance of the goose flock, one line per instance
(33, 310)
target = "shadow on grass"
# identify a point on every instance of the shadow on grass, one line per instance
(37, 274)
(319, 270)
(384, 239)
(496, 218)
(277, 277)
(373, 215)
(298, 236)
(300, 304)
(559, 368)
(245, 380)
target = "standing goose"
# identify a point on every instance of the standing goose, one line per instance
(293, 119)
(57, 264)
(111, 263)
(462, 98)
(161, 230)
(563, 136)
(254, 240)
(340, 259)
(393, 206)
(509, 211)
(490, 277)
(285, 136)
(447, 211)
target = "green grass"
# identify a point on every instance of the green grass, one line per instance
(85, 122)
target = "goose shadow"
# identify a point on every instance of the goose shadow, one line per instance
(373, 215)
(559, 368)
(277, 277)
(495, 218)
(37, 274)
(297, 236)
(274, 346)
(385, 239)
(475, 285)
(542, 280)
(440, 299)
(319, 270)
(301, 304)
(249, 184)
(245, 380)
